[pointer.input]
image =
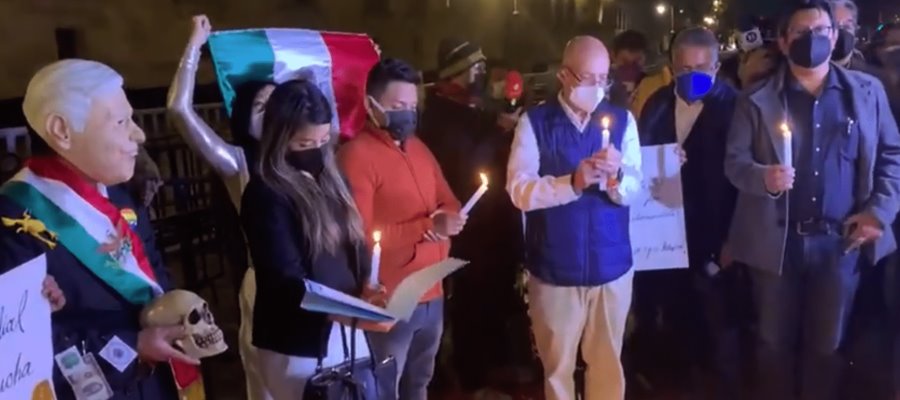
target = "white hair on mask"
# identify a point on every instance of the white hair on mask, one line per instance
(67, 88)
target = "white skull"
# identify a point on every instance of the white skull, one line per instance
(181, 307)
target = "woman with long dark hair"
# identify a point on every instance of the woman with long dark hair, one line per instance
(301, 223)
(231, 162)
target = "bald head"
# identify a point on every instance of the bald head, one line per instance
(585, 63)
(582, 48)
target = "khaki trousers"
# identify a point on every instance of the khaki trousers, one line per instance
(564, 318)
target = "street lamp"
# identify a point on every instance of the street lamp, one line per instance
(661, 10)
(709, 20)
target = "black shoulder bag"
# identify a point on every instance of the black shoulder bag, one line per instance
(352, 379)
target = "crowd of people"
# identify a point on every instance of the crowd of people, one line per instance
(790, 174)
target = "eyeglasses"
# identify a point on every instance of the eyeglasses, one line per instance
(601, 80)
(816, 30)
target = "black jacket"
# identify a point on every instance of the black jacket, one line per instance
(709, 198)
(282, 260)
(94, 312)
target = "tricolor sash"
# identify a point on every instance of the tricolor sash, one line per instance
(87, 225)
(94, 230)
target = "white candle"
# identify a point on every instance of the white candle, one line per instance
(786, 146)
(475, 197)
(376, 259)
(604, 143)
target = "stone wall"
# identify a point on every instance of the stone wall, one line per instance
(143, 39)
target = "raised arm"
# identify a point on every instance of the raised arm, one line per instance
(227, 160)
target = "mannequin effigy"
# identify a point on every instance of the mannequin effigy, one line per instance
(230, 162)
(97, 239)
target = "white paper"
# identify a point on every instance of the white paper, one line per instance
(658, 239)
(403, 301)
(26, 343)
(406, 297)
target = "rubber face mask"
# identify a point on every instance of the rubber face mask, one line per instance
(693, 86)
(587, 98)
(844, 45)
(810, 50)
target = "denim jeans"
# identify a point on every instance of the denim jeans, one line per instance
(414, 344)
(802, 316)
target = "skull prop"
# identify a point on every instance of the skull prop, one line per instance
(181, 307)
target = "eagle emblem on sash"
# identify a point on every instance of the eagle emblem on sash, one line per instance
(118, 246)
(33, 227)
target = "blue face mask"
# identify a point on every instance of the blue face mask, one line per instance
(693, 86)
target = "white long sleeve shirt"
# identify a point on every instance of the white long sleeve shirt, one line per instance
(529, 191)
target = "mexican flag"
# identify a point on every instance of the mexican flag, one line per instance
(337, 62)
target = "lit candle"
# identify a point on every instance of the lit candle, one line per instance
(786, 149)
(604, 142)
(475, 197)
(611, 182)
(376, 258)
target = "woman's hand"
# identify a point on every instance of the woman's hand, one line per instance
(53, 294)
(375, 295)
(201, 30)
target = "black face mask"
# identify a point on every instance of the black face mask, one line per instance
(311, 161)
(401, 124)
(810, 51)
(844, 46)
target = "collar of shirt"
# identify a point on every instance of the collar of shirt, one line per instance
(580, 123)
(831, 81)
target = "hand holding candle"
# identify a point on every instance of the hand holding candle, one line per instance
(611, 181)
(475, 197)
(786, 146)
(376, 259)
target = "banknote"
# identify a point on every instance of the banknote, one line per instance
(84, 375)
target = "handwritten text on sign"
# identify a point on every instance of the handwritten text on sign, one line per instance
(26, 367)
(658, 238)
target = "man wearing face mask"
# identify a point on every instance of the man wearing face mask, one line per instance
(695, 112)
(815, 155)
(467, 140)
(628, 56)
(575, 194)
(400, 190)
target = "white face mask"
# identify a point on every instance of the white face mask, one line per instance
(587, 98)
(256, 121)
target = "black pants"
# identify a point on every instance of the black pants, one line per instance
(802, 315)
(726, 302)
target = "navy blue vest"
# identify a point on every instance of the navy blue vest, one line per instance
(585, 242)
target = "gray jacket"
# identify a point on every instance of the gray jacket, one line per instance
(758, 233)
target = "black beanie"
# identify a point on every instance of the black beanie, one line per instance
(455, 56)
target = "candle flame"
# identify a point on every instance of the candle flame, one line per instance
(484, 179)
(376, 236)
(605, 122)
(785, 129)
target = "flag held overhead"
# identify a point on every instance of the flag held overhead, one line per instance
(338, 63)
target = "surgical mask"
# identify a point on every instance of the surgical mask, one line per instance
(810, 50)
(256, 122)
(693, 86)
(587, 98)
(311, 161)
(844, 45)
(401, 124)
